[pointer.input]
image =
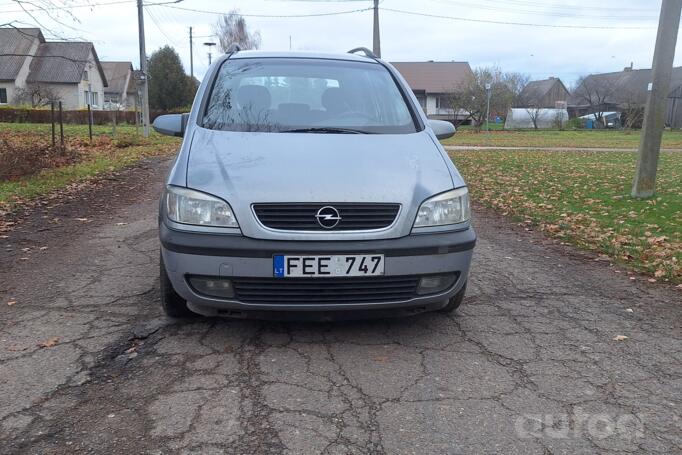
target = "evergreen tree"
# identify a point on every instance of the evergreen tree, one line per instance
(169, 86)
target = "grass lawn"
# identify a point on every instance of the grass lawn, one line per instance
(583, 198)
(69, 130)
(103, 155)
(554, 138)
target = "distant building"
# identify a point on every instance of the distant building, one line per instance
(432, 81)
(35, 71)
(623, 92)
(548, 93)
(121, 82)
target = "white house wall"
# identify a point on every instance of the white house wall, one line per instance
(67, 94)
(20, 80)
(431, 104)
(93, 84)
(72, 96)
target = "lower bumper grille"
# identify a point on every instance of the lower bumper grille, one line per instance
(325, 290)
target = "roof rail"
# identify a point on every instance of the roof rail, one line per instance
(364, 50)
(232, 48)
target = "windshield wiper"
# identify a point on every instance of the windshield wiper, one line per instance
(325, 129)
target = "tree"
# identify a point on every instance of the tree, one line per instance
(516, 83)
(594, 92)
(533, 111)
(471, 96)
(531, 104)
(232, 28)
(631, 107)
(36, 95)
(169, 86)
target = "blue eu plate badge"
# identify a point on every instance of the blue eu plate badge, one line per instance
(278, 265)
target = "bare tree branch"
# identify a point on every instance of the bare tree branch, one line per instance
(232, 28)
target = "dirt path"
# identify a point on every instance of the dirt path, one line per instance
(453, 148)
(89, 365)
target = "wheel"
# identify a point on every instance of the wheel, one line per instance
(171, 302)
(455, 301)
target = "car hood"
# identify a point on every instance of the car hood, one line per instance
(245, 168)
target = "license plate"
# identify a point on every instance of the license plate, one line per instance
(328, 266)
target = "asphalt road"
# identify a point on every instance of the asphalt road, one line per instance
(88, 364)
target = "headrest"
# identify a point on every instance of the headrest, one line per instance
(255, 96)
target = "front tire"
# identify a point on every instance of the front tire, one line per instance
(455, 301)
(171, 302)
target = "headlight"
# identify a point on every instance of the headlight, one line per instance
(446, 208)
(193, 207)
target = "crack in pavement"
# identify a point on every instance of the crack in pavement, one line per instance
(526, 366)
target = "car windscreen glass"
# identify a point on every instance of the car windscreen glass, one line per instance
(306, 95)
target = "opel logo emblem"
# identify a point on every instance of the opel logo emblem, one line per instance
(328, 217)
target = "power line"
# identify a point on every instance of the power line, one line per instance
(512, 9)
(276, 16)
(84, 5)
(525, 24)
(159, 28)
(60, 8)
(564, 5)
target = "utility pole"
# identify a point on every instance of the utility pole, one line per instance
(210, 46)
(488, 91)
(376, 44)
(191, 55)
(644, 183)
(143, 70)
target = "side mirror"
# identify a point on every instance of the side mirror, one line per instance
(171, 124)
(442, 129)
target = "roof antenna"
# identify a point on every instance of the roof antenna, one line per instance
(364, 50)
(232, 48)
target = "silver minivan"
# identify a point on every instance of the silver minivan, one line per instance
(312, 185)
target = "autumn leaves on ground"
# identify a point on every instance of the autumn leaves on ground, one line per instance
(581, 198)
(30, 167)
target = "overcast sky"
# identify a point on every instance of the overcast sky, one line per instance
(616, 32)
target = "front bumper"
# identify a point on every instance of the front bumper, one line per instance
(188, 253)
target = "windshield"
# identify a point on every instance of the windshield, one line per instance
(306, 95)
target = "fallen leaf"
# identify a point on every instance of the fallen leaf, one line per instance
(652, 280)
(659, 273)
(620, 338)
(11, 302)
(49, 343)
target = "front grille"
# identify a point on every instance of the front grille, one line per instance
(325, 290)
(301, 217)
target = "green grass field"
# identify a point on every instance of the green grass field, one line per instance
(583, 198)
(69, 130)
(555, 138)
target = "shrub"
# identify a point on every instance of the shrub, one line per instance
(576, 123)
(24, 154)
